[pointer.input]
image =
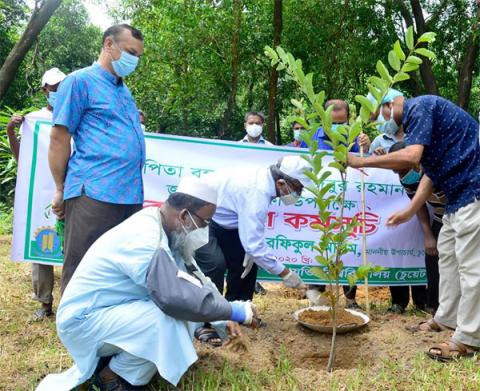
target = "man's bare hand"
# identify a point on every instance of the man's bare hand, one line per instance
(15, 121)
(364, 141)
(233, 329)
(58, 204)
(354, 161)
(379, 151)
(430, 245)
(399, 217)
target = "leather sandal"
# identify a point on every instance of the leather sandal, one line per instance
(429, 326)
(451, 350)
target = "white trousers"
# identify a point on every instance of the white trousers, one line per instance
(459, 267)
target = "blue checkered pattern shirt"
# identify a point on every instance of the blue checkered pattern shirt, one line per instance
(109, 148)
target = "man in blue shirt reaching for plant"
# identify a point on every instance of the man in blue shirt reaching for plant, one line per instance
(443, 138)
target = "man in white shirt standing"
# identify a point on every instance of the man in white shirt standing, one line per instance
(254, 124)
(42, 275)
(237, 232)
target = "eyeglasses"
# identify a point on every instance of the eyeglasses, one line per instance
(205, 222)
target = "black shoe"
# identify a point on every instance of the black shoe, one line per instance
(107, 380)
(260, 290)
(353, 306)
(396, 309)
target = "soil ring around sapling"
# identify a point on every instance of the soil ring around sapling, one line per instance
(318, 318)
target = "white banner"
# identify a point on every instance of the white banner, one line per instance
(290, 230)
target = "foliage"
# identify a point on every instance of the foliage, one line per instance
(6, 219)
(183, 82)
(341, 142)
(8, 164)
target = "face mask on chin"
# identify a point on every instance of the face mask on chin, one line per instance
(390, 127)
(193, 240)
(290, 198)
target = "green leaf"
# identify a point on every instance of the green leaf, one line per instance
(338, 166)
(309, 87)
(414, 60)
(427, 37)
(383, 72)
(319, 272)
(379, 83)
(297, 103)
(375, 93)
(426, 53)
(401, 76)
(409, 38)
(409, 67)
(269, 52)
(398, 50)
(393, 60)
(282, 54)
(363, 100)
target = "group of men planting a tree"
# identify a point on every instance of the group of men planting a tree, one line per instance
(134, 284)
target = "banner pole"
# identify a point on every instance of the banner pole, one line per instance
(364, 234)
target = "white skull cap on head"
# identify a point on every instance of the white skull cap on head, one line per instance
(294, 167)
(53, 76)
(197, 188)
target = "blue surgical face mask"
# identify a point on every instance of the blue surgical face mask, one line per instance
(125, 65)
(390, 127)
(52, 98)
(411, 178)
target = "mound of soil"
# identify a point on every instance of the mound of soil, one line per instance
(323, 318)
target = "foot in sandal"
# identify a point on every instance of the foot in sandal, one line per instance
(451, 350)
(208, 335)
(429, 326)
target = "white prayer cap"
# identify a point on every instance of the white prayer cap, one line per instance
(294, 167)
(197, 188)
(53, 76)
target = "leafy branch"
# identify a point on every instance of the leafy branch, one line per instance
(334, 232)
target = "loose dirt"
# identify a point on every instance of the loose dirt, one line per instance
(323, 318)
(384, 339)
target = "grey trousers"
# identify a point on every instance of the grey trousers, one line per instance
(86, 220)
(42, 283)
(459, 267)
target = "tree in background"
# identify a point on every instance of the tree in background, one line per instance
(41, 13)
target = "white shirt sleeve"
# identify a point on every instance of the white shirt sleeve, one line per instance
(251, 229)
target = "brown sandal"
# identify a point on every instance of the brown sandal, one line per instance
(430, 326)
(451, 350)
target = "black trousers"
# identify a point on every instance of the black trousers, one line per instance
(431, 264)
(86, 220)
(224, 253)
(401, 295)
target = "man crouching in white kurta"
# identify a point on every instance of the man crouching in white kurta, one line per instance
(136, 295)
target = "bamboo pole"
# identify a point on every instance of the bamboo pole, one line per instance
(364, 234)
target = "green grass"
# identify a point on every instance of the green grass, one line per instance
(28, 351)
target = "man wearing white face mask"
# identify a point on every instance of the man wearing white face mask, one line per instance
(390, 134)
(100, 184)
(238, 226)
(42, 275)
(136, 296)
(254, 122)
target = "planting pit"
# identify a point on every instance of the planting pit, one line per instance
(384, 339)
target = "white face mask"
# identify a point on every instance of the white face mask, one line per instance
(143, 127)
(254, 130)
(196, 238)
(290, 198)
